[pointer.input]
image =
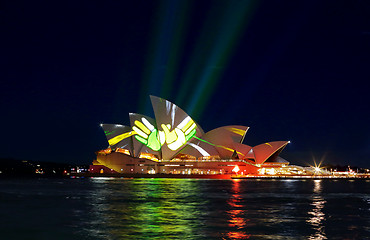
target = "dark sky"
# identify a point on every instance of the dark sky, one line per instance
(290, 70)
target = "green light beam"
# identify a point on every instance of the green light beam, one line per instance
(234, 21)
(160, 56)
(175, 49)
(199, 55)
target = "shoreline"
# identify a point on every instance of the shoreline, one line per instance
(215, 176)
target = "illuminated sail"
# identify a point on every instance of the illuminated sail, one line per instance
(144, 127)
(224, 137)
(119, 136)
(178, 127)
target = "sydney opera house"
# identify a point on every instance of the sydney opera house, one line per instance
(173, 143)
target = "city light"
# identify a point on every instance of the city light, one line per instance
(236, 169)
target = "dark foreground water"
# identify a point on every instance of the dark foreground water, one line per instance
(114, 208)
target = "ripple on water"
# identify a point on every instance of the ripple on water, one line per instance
(113, 208)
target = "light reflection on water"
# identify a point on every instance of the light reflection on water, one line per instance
(316, 215)
(237, 215)
(114, 208)
(154, 209)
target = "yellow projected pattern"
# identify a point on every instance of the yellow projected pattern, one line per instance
(268, 144)
(238, 131)
(180, 135)
(119, 138)
(154, 139)
(148, 134)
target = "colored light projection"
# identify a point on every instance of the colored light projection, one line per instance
(138, 146)
(178, 127)
(148, 135)
(164, 136)
(154, 139)
(118, 136)
(219, 141)
(181, 134)
(173, 132)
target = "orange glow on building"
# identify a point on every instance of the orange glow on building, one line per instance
(173, 136)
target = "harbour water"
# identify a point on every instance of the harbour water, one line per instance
(117, 208)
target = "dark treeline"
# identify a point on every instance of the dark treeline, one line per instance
(25, 168)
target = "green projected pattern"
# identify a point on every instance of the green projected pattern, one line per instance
(172, 132)
(220, 146)
(180, 135)
(154, 139)
(148, 135)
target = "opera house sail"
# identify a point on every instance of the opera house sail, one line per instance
(173, 143)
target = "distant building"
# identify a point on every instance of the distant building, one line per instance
(173, 143)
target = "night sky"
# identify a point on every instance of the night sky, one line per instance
(290, 70)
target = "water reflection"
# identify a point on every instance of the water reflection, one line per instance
(146, 209)
(237, 221)
(317, 186)
(317, 217)
(114, 209)
(222, 209)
